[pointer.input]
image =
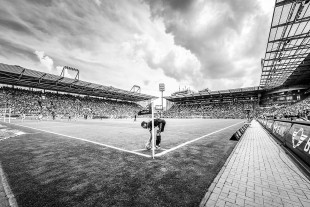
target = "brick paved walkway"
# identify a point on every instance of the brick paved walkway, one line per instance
(258, 173)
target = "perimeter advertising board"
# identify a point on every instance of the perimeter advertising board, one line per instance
(264, 122)
(269, 125)
(280, 129)
(298, 140)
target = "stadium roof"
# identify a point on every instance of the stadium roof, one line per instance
(16, 75)
(208, 94)
(287, 60)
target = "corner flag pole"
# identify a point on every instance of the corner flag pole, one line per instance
(4, 113)
(9, 115)
(153, 132)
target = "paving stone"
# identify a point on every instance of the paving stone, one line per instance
(220, 203)
(214, 196)
(211, 203)
(305, 203)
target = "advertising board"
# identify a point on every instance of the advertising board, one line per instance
(280, 129)
(269, 125)
(298, 140)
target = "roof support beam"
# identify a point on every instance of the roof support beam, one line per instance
(297, 21)
(295, 37)
(59, 79)
(285, 2)
(301, 47)
(73, 82)
(21, 74)
(39, 82)
(285, 58)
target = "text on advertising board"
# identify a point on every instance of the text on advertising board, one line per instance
(281, 128)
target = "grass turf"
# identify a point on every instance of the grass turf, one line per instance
(50, 170)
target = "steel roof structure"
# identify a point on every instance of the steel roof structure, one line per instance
(19, 76)
(213, 94)
(287, 59)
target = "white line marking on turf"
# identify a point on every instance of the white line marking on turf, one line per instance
(7, 190)
(138, 150)
(109, 146)
(194, 140)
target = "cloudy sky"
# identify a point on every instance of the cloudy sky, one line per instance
(215, 44)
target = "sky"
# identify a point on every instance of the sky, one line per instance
(195, 44)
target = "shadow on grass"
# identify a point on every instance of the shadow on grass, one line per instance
(49, 170)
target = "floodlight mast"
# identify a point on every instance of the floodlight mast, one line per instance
(77, 76)
(162, 89)
(135, 89)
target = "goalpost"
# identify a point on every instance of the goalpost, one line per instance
(5, 114)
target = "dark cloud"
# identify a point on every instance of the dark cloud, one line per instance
(71, 33)
(9, 49)
(169, 8)
(75, 24)
(47, 3)
(181, 5)
(174, 5)
(15, 26)
(211, 42)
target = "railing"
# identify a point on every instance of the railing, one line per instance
(293, 134)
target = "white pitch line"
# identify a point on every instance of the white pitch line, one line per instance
(194, 140)
(85, 140)
(138, 150)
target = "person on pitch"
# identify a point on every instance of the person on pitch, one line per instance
(160, 123)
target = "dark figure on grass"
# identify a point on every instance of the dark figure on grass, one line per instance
(160, 123)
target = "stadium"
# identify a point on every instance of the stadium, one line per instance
(68, 141)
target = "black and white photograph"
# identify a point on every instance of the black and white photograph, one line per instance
(154, 103)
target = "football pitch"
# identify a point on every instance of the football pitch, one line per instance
(104, 163)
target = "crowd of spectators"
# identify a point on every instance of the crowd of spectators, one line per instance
(240, 110)
(299, 111)
(226, 110)
(59, 105)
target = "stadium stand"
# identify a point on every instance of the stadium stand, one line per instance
(296, 111)
(18, 76)
(211, 110)
(35, 93)
(33, 103)
(235, 104)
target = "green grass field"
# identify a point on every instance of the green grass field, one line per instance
(62, 168)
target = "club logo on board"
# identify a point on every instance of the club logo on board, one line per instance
(298, 137)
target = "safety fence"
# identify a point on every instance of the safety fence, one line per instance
(292, 134)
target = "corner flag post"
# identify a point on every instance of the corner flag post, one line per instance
(153, 132)
(4, 113)
(9, 115)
